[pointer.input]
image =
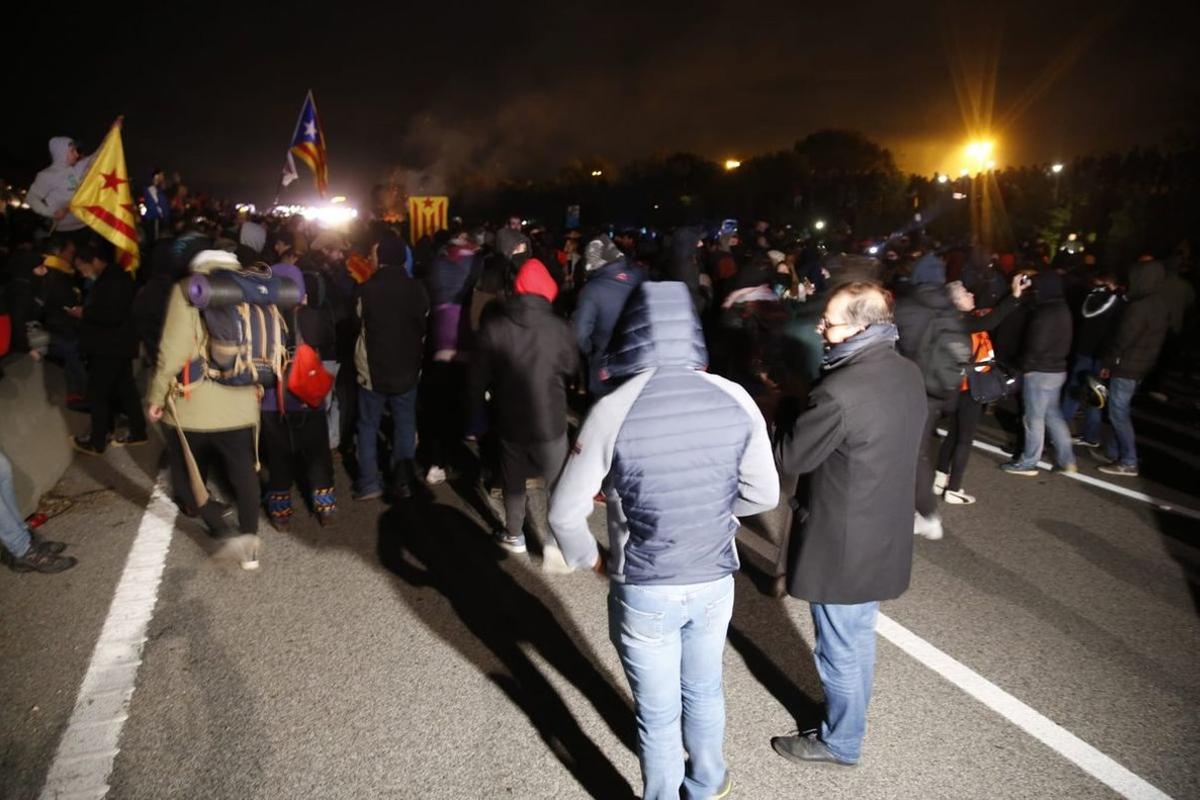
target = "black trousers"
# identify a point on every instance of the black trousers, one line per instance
(925, 500)
(297, 439)
(956, 447)
(235, 450)
(520, 462)
(110, 387)
(441, 412)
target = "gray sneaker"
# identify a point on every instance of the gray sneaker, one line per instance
(1120, 470)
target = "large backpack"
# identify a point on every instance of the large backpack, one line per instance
(943, 355)
(245, 342)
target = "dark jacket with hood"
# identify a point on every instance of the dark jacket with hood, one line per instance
(1134, 348)
(394, 310)
(1098, 315)
(600, 305)
(106, 328)
(924, 303)
(859, 438)
(684, 453)
(1047, 343)
(684, 264)
(525, 354)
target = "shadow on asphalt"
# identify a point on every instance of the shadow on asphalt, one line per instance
(988, 577)
(435, 547)
(1139, 573)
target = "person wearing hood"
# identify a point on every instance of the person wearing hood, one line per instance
(1044, 353)
(393, 310)
(681, 454)
(860, 439)
(450, 282)
(218, 421)
(610, 282)
(1128, 359)
(933, 336)
(1098, 316)
(294, 434)
(51, 191)
(524, 357)
(252, 244)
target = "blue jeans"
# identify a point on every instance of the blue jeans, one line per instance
(404, 432)
(1122, 446)
(1080, 369)
(333, 414)
(14, 535)
(1042, 394)
(671, 640)
(845, 655)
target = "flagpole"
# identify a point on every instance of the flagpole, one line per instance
(295, 129)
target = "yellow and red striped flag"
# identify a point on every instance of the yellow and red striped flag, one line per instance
(427, 216)
(308, 145)
(104, 202)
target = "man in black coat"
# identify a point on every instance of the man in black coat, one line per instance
(525, 355)
(1044, 355)
(860, 439)
(109, 341)
(393, 310)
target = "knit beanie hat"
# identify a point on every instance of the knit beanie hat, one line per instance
(253, 236)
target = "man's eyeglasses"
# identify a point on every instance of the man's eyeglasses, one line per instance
(824, 324)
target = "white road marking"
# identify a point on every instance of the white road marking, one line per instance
(1133, 494)
(1045, 730)
(88, 748)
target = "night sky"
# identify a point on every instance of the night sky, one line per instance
(517, 89)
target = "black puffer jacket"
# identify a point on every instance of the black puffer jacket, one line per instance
(1048, 335)
(524, 355)
(1134, 349)
(918, 309)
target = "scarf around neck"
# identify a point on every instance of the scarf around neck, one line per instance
(838, 354)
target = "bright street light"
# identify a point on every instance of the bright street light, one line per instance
(596, 173)
(1056, 168)
(941, 178)
(731, 164)
(819, 224)
(980, 154)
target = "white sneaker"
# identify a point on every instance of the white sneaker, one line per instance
(958, 497)
(940, 479)
(243, 549)
(930, 527)
(435, 476)
(553, 561)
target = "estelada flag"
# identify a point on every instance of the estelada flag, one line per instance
(104, 202)
(427, 216)
(308, 145)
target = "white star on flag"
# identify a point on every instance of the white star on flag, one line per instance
(310, 129)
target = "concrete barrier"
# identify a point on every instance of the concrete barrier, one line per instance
(35, 427)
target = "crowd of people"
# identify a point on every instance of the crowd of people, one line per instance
(712, 368)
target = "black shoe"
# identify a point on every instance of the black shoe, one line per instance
(129, 440)
(39, 560)
(806, 748)
(85, 446)
(47, 545)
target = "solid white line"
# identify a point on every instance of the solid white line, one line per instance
(1133, 494)
(1045, 730)
(88, 748)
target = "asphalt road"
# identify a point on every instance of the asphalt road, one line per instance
(400, 654)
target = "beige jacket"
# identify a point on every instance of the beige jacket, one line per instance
(209, 406)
